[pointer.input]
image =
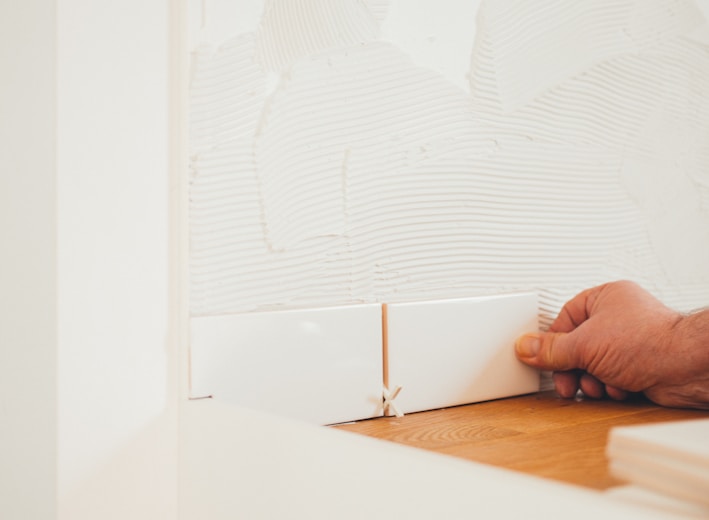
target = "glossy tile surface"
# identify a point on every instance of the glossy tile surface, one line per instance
(319, 365)
(450, 352)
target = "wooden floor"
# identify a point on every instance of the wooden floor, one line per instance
(539, 434)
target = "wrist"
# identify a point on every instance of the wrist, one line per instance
(690, 342)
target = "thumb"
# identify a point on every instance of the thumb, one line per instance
(549, 351)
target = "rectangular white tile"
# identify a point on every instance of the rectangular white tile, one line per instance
(319, 365)
(450, 352)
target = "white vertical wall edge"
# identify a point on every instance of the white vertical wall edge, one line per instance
(117, 394)
(179, 193)
(28, 263)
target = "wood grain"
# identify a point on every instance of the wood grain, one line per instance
(540, 434)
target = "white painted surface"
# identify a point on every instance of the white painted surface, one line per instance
(244, 464)
(116, 355)
(450, 352)
(318, 365)
(88, 412)
(28, 277)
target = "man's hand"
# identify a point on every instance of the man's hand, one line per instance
(617, 338)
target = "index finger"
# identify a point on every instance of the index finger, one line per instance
(575, 311)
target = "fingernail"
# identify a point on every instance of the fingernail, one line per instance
(528, 345)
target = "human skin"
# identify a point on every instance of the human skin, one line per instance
(617, 339)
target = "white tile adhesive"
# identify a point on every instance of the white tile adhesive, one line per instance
(333, 161)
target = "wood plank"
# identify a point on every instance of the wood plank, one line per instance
(539, 434)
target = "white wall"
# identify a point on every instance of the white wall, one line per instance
(28, 274)
(88, 384)
(347, 151)
(117, 349)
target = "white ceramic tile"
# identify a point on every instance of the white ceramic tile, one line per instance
(450, 352)
(659, 502)
(319, 365)
(680, 439)
(669, 458)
